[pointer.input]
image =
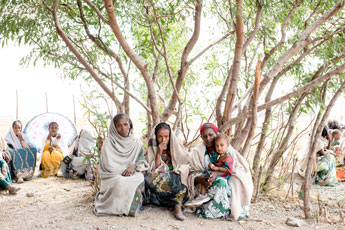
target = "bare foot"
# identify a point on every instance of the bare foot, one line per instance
(12, 190)
(178, 213)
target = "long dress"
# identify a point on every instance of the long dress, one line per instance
(166, 185)
(229, 196)
(120, 195)
(51, 161)
(23, 158)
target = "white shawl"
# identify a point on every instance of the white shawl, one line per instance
(117, 192)
(11, 138)
(241, 182)
(180, 158)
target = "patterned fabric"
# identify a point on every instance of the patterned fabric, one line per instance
(137, 200)
(23, 162)
(225, 161)
(219, 207)
(341, 173)
(165, 188)
(326, 171)
(208, 126)
(5, 177)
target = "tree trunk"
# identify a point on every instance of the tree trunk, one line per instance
(307, 178)
(236, 63)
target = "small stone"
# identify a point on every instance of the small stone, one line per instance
(30, 194)
(67, 189)
(290, 221)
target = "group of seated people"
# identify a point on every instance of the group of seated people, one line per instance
(18, 159)
(213, 180)
(328, 166)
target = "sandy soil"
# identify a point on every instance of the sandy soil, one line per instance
(57, 203)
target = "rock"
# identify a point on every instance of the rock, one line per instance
(290, 221)
(29, 194)
(67, 189)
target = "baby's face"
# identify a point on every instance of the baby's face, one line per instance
(337, 136)
(221, 146)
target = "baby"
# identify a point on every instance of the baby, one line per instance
(222, 166)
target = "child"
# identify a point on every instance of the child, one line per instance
(221, 166)
(336, 136)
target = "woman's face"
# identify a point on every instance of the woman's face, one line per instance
(53, 129)
(163, 136)
(122, 126)
(208, 136)
(17, 128)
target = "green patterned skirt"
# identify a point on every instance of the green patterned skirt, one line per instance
(165, 189)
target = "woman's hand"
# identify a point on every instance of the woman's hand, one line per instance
(20, 137)
(51, 149)
(162, 146)
(7, 157)
(129, 171)
(212, 167)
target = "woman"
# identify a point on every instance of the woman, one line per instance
(79, 162)
(5, 176)
(166, 180)
(323, 161)
(53, 151)
(121, 164)
(23, 158)
(228, 197)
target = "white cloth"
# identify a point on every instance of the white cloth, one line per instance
(180, 158)
(11, 138)
(117, 192)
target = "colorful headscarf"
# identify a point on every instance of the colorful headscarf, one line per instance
(208, 126)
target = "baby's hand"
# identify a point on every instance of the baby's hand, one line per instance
(211, 166)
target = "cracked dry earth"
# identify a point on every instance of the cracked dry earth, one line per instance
(57, 203)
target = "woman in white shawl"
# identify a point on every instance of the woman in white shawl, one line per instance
(54, 150)
(16, 141)
(228, 197)
(77, 161)
(324, 163)
(166, 182)
(121, 164)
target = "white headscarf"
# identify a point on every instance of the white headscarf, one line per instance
(11, 138)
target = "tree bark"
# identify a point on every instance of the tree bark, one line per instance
(134, 58)
(236, 63)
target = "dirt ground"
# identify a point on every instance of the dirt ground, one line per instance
(57, 203)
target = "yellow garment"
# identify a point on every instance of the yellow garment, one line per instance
(51, 161)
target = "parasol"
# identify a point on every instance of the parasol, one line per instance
(37, 129)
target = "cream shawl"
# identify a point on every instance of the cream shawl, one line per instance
(180, 158)
(117, 192)
(11, 138)
(241, 182)
(321, 144)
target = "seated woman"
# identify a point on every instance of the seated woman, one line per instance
(166, 180)
(323, 166)
(5, 176)
(227, 195)
(121, 164)
(53, 151)
(76, 163)
(20, 151)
